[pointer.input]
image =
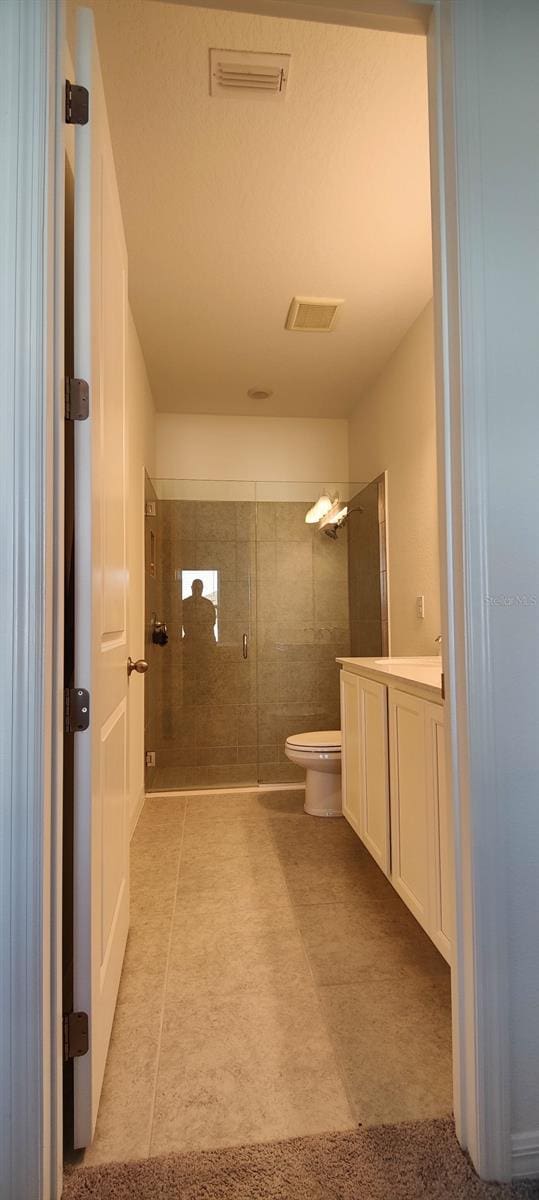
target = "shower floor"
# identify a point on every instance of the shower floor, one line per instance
(274, 984)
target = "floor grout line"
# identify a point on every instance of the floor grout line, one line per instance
(254, 790)
(165, 985)
(337, 1051)
(316, 988)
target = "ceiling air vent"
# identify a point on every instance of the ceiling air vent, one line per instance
(308, 315)
(245, 73)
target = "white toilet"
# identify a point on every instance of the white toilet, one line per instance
(320, 755)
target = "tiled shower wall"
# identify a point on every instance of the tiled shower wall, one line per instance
(302, 617)
(221, 720)
(368, 572)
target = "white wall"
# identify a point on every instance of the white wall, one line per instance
(141, 454)
(394, 429)
(251, 448)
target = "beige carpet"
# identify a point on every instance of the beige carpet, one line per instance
(393, 1162)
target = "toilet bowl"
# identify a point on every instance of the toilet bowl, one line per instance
(320, 756)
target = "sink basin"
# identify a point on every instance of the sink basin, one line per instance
(423, 668)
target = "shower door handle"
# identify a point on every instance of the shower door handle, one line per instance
(245, 646)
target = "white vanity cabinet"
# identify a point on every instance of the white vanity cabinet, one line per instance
(364, 763)
(394, 789)
(410, 800)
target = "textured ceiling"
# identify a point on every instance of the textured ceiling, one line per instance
(232, 207)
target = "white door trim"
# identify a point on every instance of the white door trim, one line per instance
(397, 16)
(480, 1029)
(29, 834)
(479, 980)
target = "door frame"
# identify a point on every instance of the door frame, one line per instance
(480, 994)
(31, 583)
(31, 204)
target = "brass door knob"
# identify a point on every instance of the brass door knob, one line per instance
(141, 666)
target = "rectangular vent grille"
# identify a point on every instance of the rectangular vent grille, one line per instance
(312, 316)
(236, 73)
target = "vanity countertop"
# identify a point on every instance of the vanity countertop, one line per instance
(420, 675)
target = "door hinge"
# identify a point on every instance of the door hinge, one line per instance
(149, 758)
(77, 104)
(76, 710)
(76, 1036)
(77, 404)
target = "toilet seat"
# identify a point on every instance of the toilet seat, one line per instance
(319, 754)
(325, 741)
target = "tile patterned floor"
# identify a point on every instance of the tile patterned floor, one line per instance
(274, 985)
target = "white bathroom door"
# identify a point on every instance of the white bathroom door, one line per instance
(101, 838)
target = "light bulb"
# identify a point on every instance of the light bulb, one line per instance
(318, 510)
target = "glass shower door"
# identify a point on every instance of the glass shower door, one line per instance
(202, 686)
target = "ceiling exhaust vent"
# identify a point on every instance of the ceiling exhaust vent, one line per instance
(309, 315)
(245, 73)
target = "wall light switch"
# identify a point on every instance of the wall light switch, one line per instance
(420, 607)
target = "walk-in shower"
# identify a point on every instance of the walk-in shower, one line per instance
(256, 607)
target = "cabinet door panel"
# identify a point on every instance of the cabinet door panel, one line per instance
(374, 825)
(442, 860)
(350, 754)
(409, 807)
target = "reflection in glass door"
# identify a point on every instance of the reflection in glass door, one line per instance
(200, 605)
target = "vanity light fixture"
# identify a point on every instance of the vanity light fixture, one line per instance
(322, 506)
(335, 515)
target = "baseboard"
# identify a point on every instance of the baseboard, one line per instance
(525, 1155)
(216, 791)
(137, 811)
